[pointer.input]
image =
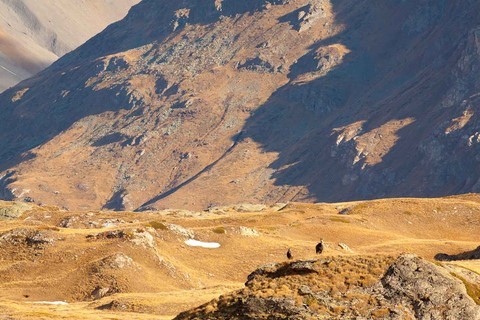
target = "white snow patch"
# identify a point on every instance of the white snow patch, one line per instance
(196, 243)
(54, 303)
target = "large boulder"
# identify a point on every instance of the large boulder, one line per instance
(429, 291)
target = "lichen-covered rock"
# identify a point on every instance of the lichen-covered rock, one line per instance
(345, 288)
(181, 231)
(248, 232)
(117, 261)
(429, 291)
(13, 210)
(30, 237)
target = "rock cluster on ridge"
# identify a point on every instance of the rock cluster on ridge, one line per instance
(345, 288)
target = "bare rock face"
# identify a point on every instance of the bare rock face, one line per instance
(429, 291)
(27, 237)
(117, 261)
(13, 210)
(184, 104)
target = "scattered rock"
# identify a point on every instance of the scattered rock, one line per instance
(116, 64)
(99, 293)
(139, 237)
(68, 222)
(108, 223)
(245, 207)
(30, 237)
(114, 234)
(248, 232)
(279, 206)
(181, 18)
(281, 270)
(86, 221)
(304, 290)
(13, 210)
(117, 261)
(314, 12)
(346, 211)
(184, 232)
(143, 238)
(258, 65)
(345, 247)
(114, 305)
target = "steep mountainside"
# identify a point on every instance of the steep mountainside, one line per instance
(203, 102)
(35, 33)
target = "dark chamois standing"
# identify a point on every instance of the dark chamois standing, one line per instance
(319, 247)
(289, 254)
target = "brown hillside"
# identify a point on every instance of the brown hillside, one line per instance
(198, 103)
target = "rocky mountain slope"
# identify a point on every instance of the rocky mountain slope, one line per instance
(199, 103)
(33, 33)
(58, 264)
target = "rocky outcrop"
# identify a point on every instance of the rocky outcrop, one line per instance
(13, 210)
(411, 288)
(27, 237)
(428, 291)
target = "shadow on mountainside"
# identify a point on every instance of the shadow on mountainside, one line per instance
(394, 72)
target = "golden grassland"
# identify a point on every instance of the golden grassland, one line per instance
(169, 277)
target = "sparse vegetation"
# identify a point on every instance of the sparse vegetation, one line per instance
(473, 290)
(219, 230)
(157, 225)
(359, 208)
(339, 277)
(382, 313)
(340, 219)
(311, 302)
(48, 228)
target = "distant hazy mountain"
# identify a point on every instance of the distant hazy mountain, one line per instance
(34, 33)
(200, 102)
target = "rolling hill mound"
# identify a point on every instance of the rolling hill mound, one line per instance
(200, 103)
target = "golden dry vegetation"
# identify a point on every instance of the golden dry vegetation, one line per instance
(48, 254)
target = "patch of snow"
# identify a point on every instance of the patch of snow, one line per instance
(196, 243)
